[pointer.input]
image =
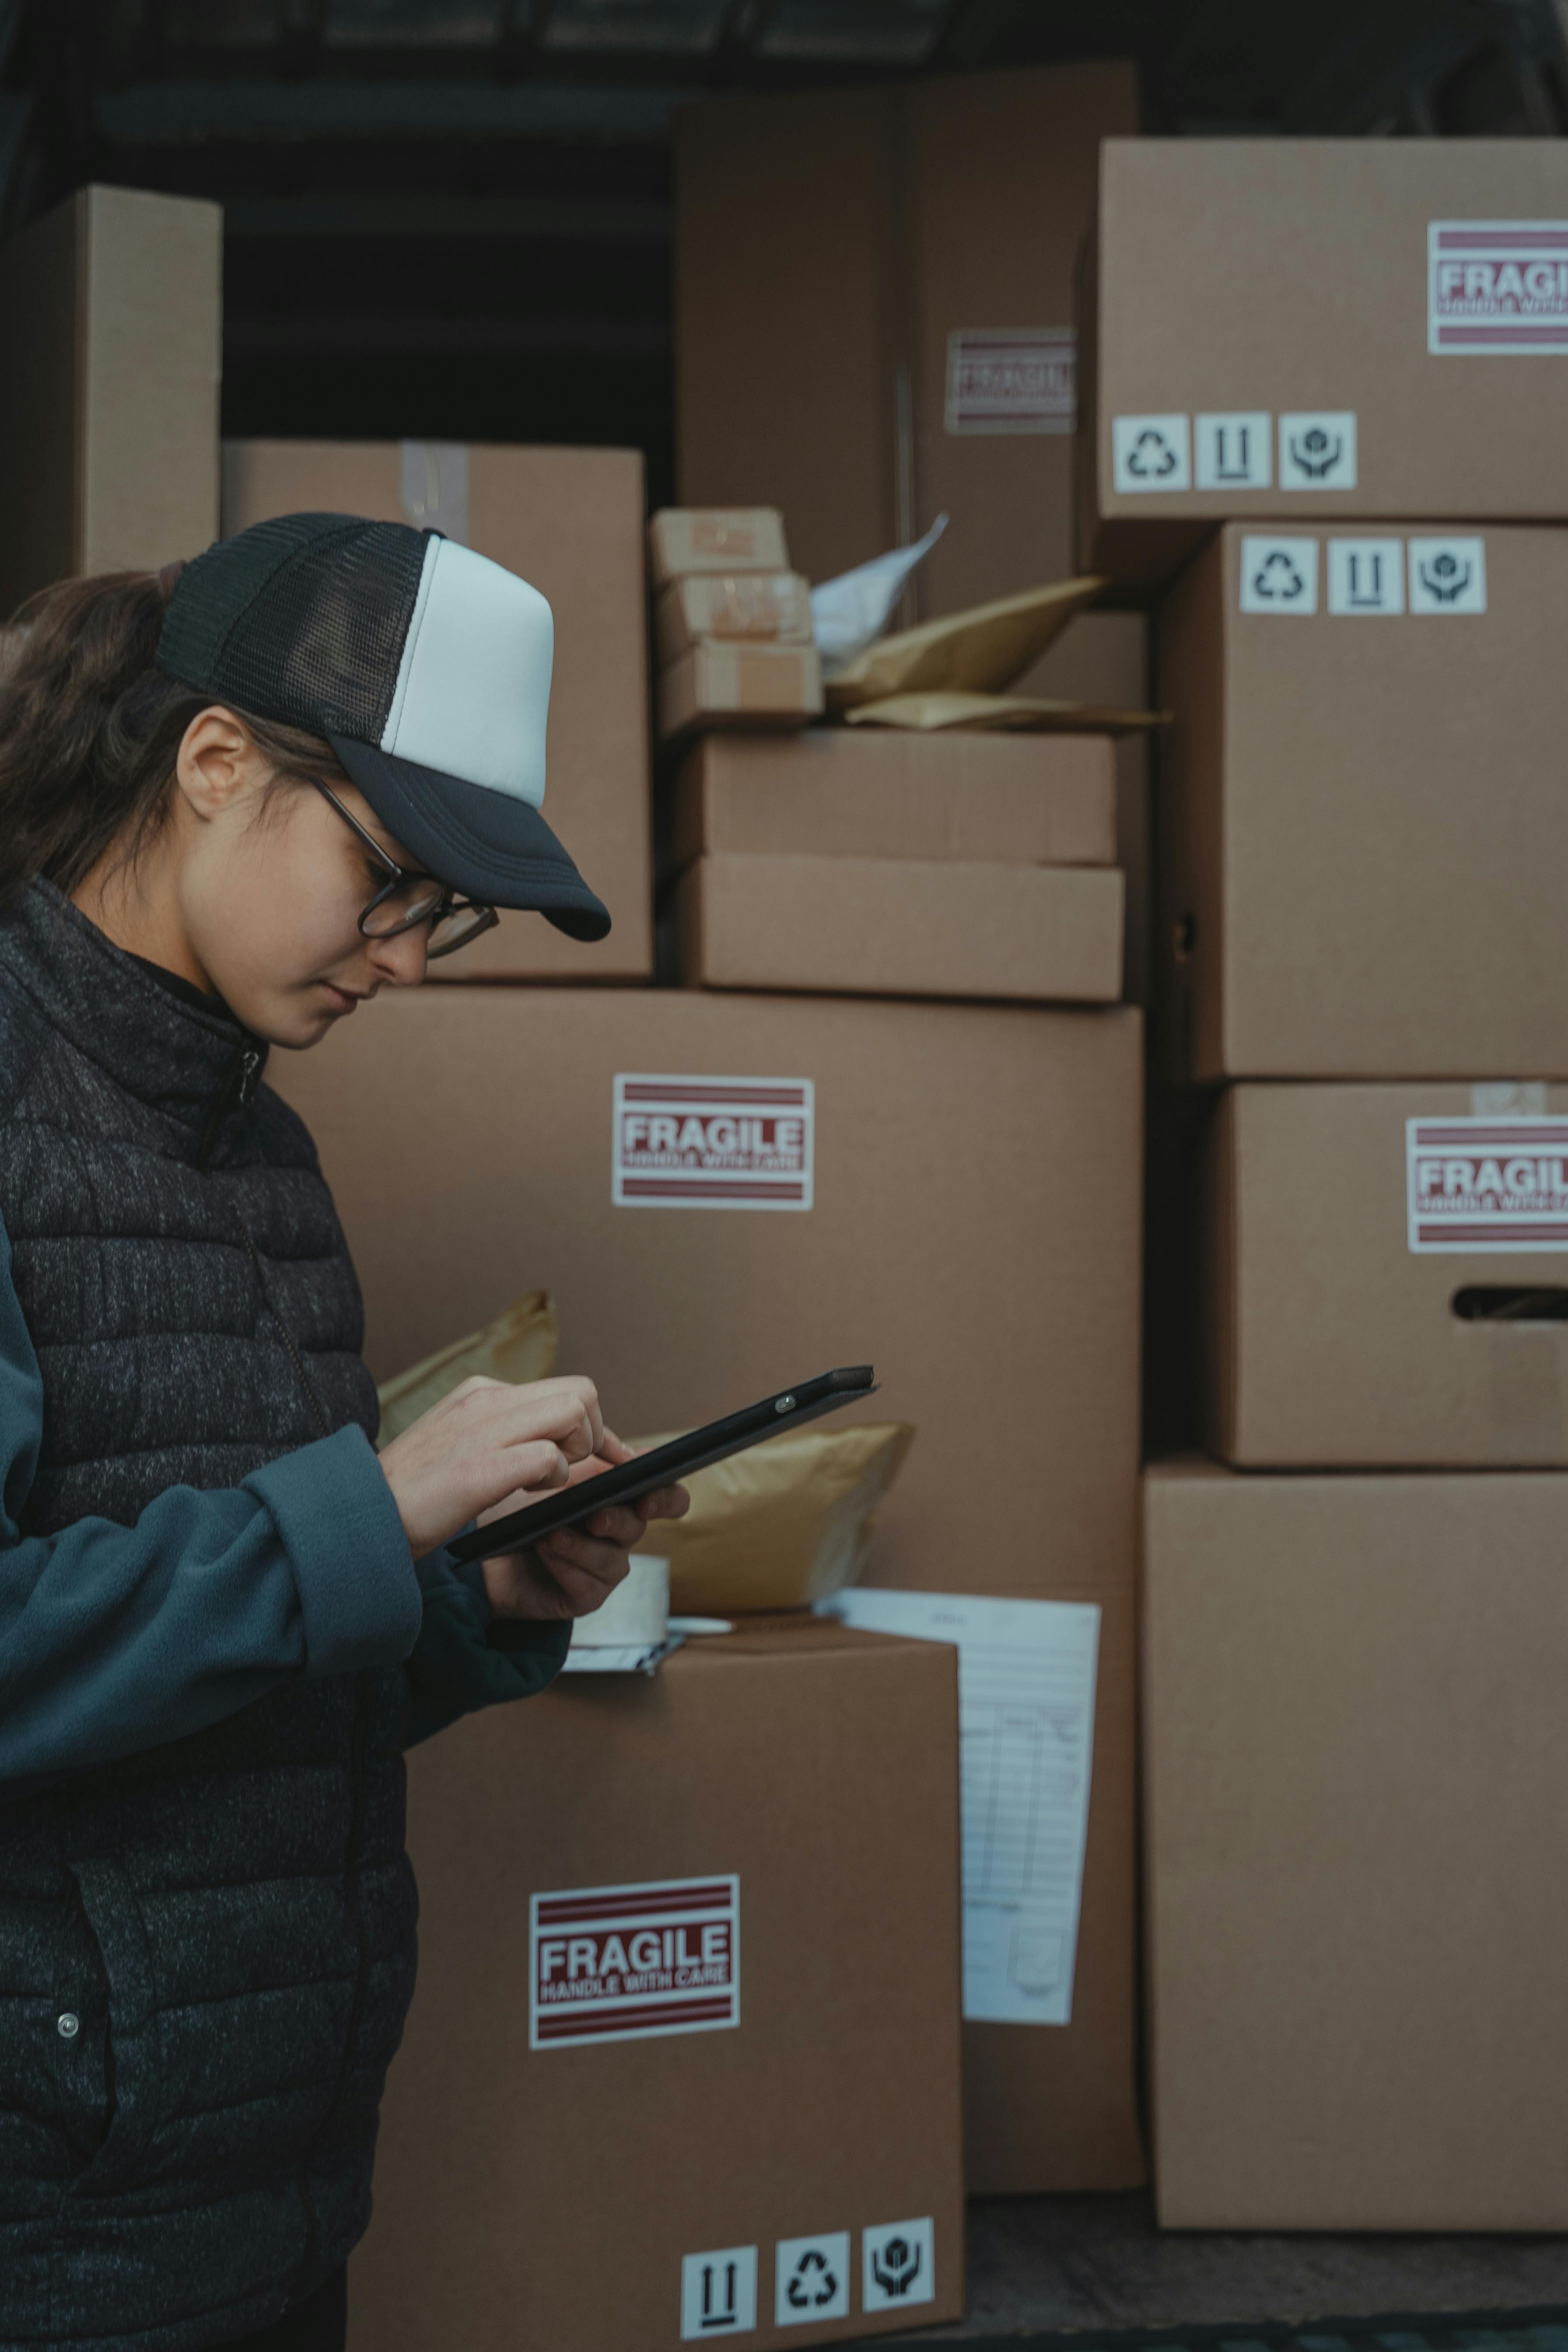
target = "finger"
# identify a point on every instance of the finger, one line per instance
(604, 1556)
(620, 1524)
(535, 1469)
(615, 1449)
(584, 1591)
(668, 1503)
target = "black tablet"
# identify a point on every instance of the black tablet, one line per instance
(666, 1464)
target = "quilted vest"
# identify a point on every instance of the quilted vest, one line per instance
(231, 1917)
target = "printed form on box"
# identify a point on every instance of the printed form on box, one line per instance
(1026, 1706)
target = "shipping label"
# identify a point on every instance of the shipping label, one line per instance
(713, 1143)
(1012, 380)
(622, 1963)
(1496, 286)
(1487, 1183)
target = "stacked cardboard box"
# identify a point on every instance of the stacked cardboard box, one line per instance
(1344, 1657)
(733, 621)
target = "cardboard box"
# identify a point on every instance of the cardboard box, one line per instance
(108, 387)
(1387, 1277)
(682, 539)
(874, 316)
(1316, 330)
(571, 522)
(1365, 831)
(804, 1780)
(728, 685)
(843, 791)
(903, 927)
(975, 1175)
(1354, 1777)
(773, 606)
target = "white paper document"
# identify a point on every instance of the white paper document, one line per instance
(1026, 1710)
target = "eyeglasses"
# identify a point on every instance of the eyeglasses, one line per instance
(408, 897)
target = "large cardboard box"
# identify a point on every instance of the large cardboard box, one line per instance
(1318, 329)
(1387, 1279)
(1355, 1781)
(974, 1174)
(1365, 832)
(903, 927)
(874, 316)
(784, 1806)
(571, 522)
(863, 792)
(110, 376)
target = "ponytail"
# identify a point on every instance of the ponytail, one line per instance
(90, 731)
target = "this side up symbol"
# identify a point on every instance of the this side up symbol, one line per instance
(1277, 579)
(897, 2266)
(798, 2293)
(718, 2309)
(1151, 457)
(1317, 453)
(1446, 578)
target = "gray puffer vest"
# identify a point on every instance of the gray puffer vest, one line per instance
(231, 1917)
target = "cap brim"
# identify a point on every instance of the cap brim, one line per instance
(481, 843)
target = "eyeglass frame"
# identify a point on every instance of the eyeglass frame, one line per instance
(447, 905)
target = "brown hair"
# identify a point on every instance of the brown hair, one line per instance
(90, 731)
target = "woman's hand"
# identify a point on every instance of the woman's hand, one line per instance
(574, 1571)
(489, 1443)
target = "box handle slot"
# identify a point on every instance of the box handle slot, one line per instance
(1511, 1303)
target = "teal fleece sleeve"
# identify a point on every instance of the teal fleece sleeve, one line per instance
(115, 1639)
(466, 1656)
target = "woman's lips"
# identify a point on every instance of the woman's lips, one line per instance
(341, 999)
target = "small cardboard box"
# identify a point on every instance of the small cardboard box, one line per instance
(960, 1202)
(682, 539)
(774, 606)
(770, 2150)
(1387, 1275)
(724, 684)
(1316, 330)
(1361, 794)
(109, 377)
(1355, 1783)
(903, 927)
(861, 791)
(571, 522)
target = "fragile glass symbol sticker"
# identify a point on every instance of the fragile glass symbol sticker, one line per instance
(1152, 453)
(1278, 575)
(811, 2278)
(718, 2292)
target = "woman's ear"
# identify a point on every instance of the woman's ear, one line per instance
(217, 763)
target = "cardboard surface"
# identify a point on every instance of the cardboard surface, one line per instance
(1247, 281)
(726, 684)
(830, 248)
(903, 927)
(1104, 660)
(834, 791)
(772, 606)
(571, 522)
(1364, 826)
(561, 2189)
(1332, 1340)
(974, 1233)
(682, 539)
(1354, 1779)
(108, 380)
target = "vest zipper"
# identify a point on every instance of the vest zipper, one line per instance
(237, 1090)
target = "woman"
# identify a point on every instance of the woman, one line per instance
(235, 801)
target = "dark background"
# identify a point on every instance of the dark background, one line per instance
(451, 219)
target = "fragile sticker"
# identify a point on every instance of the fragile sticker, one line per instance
(1012, 380)
(713, 1143)
(1317, 450)
(1278, 575)
(624, 1963)
(1496, 286)
(1150, 453)
(1447, 575)
(1487, 1183)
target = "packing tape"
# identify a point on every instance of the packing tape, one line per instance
(1509, 1098)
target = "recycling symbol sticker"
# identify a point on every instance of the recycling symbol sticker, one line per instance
(1152, 453)
(1278, 575)
(1447, 575)
(812, 2279)
(899, 2265)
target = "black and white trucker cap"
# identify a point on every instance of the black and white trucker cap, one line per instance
(424, 665)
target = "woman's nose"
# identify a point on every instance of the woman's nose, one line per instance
(401, 959)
